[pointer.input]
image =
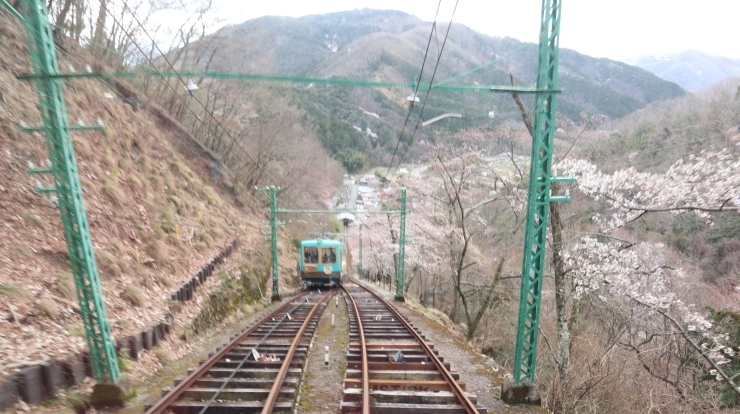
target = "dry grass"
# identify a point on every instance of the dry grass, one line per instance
(163, 355)
(113, 192)
(205, 238)
(175, 240)
(133, 294)
(165, 280)
(156, 181)
(158, 250)
(76, 329)
(78, 401)
(109, 265)
(35, 221)
(22, 250)
(117, 246)
(201, 247)
(174, 305)
(137, 184)
(13, 291)
(124, 361)
(66, 286)
(49, 307)
(107, 162)
(126, 165)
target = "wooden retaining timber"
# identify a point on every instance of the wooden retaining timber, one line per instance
(37, 382)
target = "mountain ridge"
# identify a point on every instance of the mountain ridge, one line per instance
(692, 69)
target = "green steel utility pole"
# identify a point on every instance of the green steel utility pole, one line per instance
(539, 198)
(401, 250)
(359, 268)
(272, 195)
(68, 190)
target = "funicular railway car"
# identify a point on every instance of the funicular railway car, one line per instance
(321, 262)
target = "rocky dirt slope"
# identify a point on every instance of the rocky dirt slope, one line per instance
(157, 211)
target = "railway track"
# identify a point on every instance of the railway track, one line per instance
(258, 371)
(391, 368)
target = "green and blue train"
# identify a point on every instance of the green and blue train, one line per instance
(321, 262)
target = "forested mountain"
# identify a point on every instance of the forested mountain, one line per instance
(691, 69)
(383, 45)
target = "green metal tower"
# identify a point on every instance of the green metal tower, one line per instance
(401, 250)
(539, 199)
(359, 266)
(272, 195)
(68, 190)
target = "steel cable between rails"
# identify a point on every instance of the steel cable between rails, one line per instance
(275, 389)
(161, 405)
(287, 359)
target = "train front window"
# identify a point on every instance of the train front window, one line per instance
(311, 254)
(329, 255)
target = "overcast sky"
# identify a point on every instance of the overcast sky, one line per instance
(616, 29)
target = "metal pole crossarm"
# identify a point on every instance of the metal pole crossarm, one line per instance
(294, 211)
(288, 79)
(518, 89)
(564, 180)
(69, 192)
(41, 171)
(71, 128)
(538, 199)
(559, 199)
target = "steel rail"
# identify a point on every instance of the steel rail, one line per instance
(454, 386)
(275, 390)
(161, 405)
(363, 350)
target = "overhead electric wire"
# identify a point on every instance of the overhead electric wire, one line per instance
(416, 88)
(416, 128)
(233, 140)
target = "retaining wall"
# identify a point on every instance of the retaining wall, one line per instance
(37, 382)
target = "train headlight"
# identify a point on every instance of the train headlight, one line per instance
(327, 269)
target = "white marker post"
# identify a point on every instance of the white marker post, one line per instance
(326, 356)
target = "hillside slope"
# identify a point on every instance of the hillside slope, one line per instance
(158, 211)
(385, 45)
(351, 44)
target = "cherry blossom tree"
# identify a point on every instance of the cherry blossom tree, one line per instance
(673, 341)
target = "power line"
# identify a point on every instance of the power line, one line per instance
(416, 88)
(233, 140)
(439, 57)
